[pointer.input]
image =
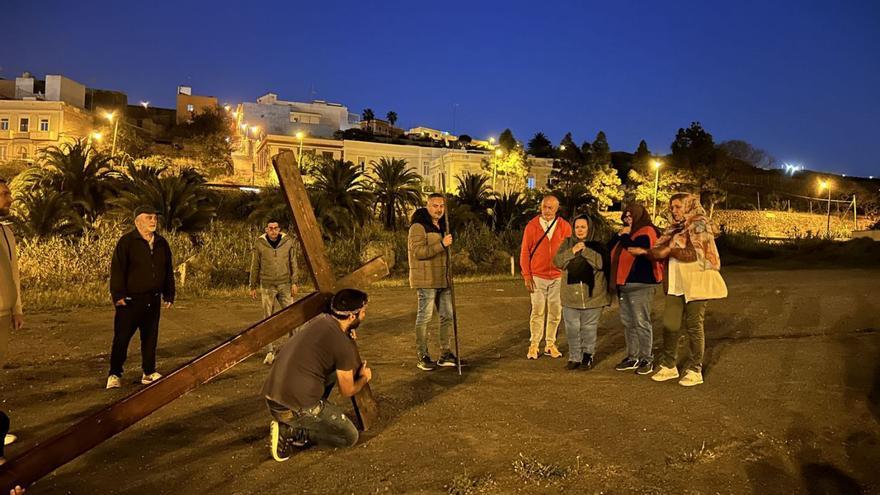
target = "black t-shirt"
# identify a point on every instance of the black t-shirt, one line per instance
(303, 364)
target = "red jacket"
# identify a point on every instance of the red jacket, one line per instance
(541, 263)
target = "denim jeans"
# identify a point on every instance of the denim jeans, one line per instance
(635, 314)
(546, 300)
(676, 314)
(581, 326)
(428, 300)
(275, 296)
(323, 424)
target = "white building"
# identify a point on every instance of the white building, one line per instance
(280, 117)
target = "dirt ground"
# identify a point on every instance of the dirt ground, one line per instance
(791, 402)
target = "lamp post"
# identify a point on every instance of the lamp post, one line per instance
(498, 154)
(827, 185)
(656, 164)
(300, 135)
(112, 118)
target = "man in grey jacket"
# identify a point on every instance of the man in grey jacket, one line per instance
(273, 271)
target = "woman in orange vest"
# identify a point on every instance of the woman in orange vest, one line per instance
(635, 279)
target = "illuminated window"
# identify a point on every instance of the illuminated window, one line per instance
(4, 124)
(190, 108)
(531, 182)
(24, 124)
(44, 125)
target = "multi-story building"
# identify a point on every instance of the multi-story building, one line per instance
(285, 118)
(188, 104)
(37, 114)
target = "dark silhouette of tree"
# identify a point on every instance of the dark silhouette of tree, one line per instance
(506, 140)
(391, 117)
(396, 188)
(81, 171)
(541, 147)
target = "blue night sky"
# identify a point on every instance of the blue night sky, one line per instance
(800, 79)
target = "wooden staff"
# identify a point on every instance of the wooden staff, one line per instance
(449, 273)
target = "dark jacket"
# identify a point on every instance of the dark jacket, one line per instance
(642, 271)
(136, 271)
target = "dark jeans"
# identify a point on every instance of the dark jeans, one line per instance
(323, 424)
(139, 313)
(4, 429)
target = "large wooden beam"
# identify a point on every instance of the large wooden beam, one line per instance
(47, 456)
(304, 220)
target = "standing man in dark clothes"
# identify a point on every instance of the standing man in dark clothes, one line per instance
(318, 356)
(141, 275)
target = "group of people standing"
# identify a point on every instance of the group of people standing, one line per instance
(572, 276)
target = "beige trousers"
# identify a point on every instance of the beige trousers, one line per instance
(546, 302)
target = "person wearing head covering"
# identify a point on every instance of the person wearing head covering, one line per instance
(634, 279)
(141, 276)
(320, 355)
(584, 291)
(694, 278)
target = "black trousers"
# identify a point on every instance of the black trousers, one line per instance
(139, 313)
(4, 429)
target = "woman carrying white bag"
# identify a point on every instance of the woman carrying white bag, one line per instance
(693, 279)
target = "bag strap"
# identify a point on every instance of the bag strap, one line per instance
(535, 249)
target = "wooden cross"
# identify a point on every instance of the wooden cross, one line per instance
(47, 456)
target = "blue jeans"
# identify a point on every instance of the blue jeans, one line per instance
(324, 424)
(635, 314)
(581, 326)
(428, 300)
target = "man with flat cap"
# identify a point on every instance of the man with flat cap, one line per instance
(141, 276)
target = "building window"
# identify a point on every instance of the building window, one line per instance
(190, 108)
(327, 154)
(44, 125)
(531, 182)
(2, 152)
(22, 153)
(24, 124)
(4, 124)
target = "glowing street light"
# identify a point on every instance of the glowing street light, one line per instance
(491, 140)
(300, 135)
(145, 104)
(94, 135)
(111, 116)
(561, 147)
(824, 184)
(656, 164)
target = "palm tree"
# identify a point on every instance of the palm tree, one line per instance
(83, 172)
(509, 211)
(474, 192)
(271, 203)
(46, 212)
(183, 202)
(340, 196)
(392, 117)
(397, 188)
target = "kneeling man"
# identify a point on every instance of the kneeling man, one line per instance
(318, 356)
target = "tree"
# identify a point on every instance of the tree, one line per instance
(464, 140)
(181, 198)
(745, 152)
(474, 194)
(509, 168)
(397, 188)
(694, 150)
(392, 117)
(506, 141)
(640, 185)
(569, 151)
(509, 211)
(541, 147)
(368, 115)
(271, 203)
(46, 212)
(84, 173)
(600, 152)
(642, 156)
(605, 186)
(340, 195)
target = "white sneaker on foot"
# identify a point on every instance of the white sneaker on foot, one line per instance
(113, 381)
(691, 378)
(665, 374)
(152, 377)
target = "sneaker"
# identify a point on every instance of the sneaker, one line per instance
(447, 359)
(665, 374)
(627, 364)
(691, 378)
(533, 352)
(425, 363)
(587, 362)
(277, 445)
(572, 365)
(113, 381)
(152, 377)
(645, 367)
(552, 351)
(9, 439)
(270, 358)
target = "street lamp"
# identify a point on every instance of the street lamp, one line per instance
(145, 104)
(498, 154)
(300, 135)
(112, 118)
(94, 135)
(656, 164)
(827, 185)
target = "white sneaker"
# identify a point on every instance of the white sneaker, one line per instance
(152, 377)
(270, 358)
(9, 438)
(665, 374)
(113, 381)
(691, 378)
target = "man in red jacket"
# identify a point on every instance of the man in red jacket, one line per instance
(541, 240)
